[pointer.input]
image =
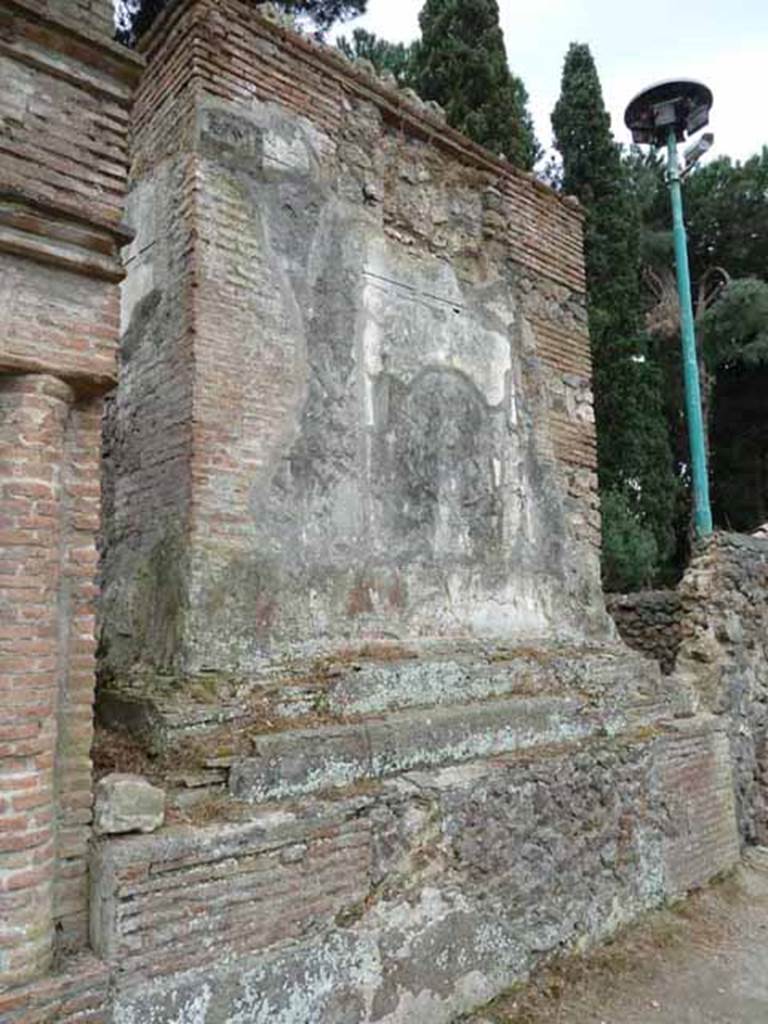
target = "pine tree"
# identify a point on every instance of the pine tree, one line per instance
(135, 17)
(635, 466)
(385, 56)
(461, 62)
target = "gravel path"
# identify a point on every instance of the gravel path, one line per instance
(702, 962)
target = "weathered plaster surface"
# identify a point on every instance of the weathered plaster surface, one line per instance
(369, 444)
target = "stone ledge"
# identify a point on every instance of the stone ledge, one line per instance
(347, 688)
(57, 243)
(295, 763)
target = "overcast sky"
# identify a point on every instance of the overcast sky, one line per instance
(724, 43)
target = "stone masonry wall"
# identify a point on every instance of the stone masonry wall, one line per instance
(649, 621)
(354, 396)
(311, 243)
(423, 897)
(64, 92)
(710, 635)
(724, 657)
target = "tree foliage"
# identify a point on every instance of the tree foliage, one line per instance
(630, 552)
(385, 56)
(734, 331)
(635, 467)
(739, 447)
(135, 17)
(461, 62)
(726, 208)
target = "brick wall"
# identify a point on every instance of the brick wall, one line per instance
(294, 218)
(64, 97)
(696, 779)
(148, 427)
(73, 995)
(35, 410)
(49, 501)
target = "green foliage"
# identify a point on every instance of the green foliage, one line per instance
(726, 208)
(385, 56)
(638, 487)
(634, 455)
(739, 447)
(630, 553)
(734, 334)
(135, 17)
(726, 213)
(645, 170)
(734, 331)
(461, 62)
(593, 171)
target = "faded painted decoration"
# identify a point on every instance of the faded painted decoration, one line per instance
(349, 420)
(350, 622)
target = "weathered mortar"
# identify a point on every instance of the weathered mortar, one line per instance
(355, 374)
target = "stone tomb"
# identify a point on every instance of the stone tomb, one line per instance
(351, 596)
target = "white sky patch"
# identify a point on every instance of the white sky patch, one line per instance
(724, 45)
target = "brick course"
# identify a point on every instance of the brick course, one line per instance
(63, 102)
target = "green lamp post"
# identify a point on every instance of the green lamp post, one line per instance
(664, 115)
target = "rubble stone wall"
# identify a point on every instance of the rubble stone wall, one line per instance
(724, 657)
(649, 621)
(710, 635)
(423, 897)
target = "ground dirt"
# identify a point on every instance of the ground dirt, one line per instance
(702, 961)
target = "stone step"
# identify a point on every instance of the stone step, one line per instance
(374, 687)
(349, 689)
(299, 762)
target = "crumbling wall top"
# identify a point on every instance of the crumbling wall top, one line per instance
(230, 50)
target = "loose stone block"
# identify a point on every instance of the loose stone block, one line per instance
(127, 803)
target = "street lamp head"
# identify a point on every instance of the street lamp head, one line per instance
(696, 151)
(681, 104)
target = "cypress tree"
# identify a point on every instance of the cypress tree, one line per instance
(461, 62)
(635, 466)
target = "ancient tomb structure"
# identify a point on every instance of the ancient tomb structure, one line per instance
(355, 400)
(350, 593)
(351, 599)
(64, 96)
